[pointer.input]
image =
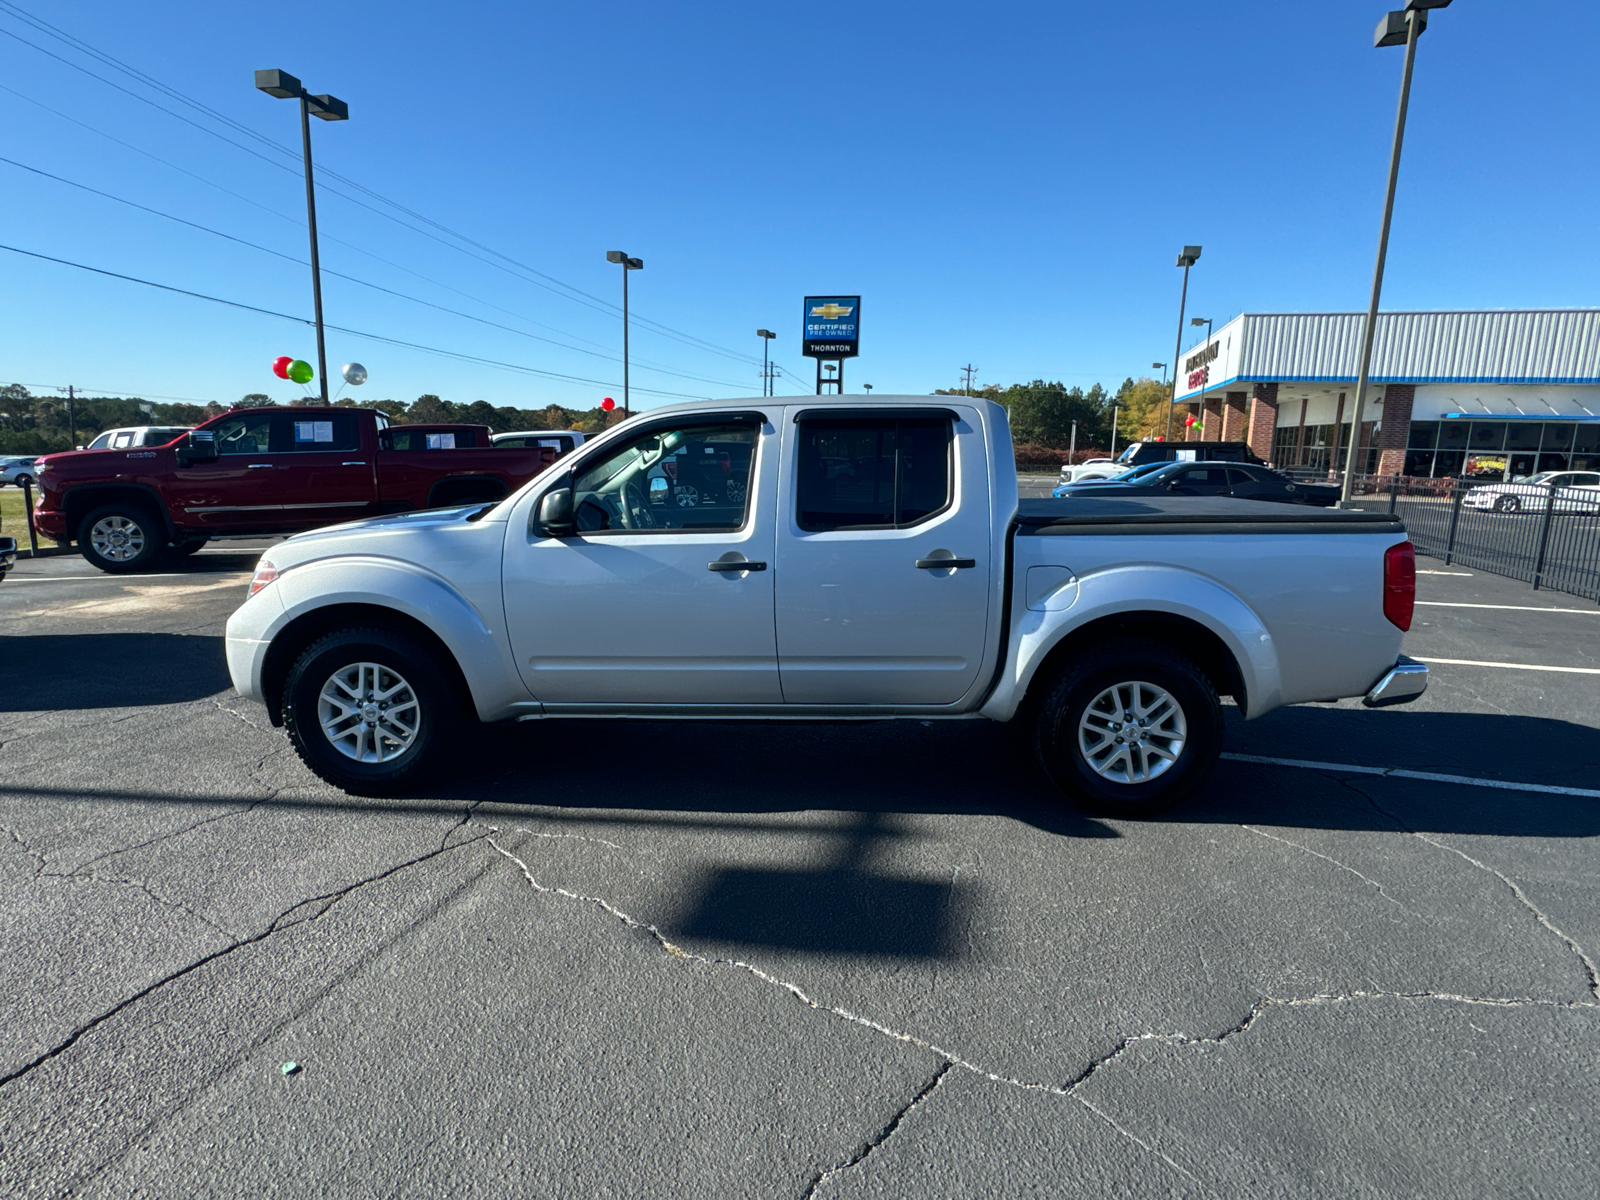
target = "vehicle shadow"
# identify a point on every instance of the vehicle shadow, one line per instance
(61, 672)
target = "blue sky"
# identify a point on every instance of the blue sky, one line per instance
(1005, 185)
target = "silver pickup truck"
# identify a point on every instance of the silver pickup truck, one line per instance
(824, 558)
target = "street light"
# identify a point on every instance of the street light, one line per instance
(1396, 29)
(628, 264)
(1116, 411)
(867, 387)
(1206, 382)
(286, 87)
(766, 336)
(1162, 367)
(1190, 256)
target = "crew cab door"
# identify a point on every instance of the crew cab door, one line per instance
(323, 471)
(237, 490)
(663, 594)
(873, 503)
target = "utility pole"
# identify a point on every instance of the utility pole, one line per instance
(1072, 447)
(967, 372)
(72, 414)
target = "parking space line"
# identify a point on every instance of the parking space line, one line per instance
(1428, 776)
(1473, 662)
(1463, 574)
(1506, 607)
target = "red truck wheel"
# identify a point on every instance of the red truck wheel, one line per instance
(121, 538)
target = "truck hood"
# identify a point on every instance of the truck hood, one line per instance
(418, 537)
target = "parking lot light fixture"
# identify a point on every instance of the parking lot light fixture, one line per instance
(1162, 367)
(1396, 29)
(627, 264)
(284, 86)
(766, 336)
(1189, 256)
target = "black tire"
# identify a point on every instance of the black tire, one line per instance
(1123, 664)
(438, 713)
(133, 538)
(1507, 504)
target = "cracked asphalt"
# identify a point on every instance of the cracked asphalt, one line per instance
(730, 960)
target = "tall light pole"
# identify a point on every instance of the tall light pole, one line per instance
(1396, 29)
(1116, 411)
(1206, 383)
(286, 87)
(1162, 367)
(1190, 256)
(766, 336)
(628, 264)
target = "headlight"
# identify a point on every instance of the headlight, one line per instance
(265, 574)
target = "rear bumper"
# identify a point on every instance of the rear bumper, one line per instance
(1401, 684)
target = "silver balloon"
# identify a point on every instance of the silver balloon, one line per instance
(354, 374)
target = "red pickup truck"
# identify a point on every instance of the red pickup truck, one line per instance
(263, 471)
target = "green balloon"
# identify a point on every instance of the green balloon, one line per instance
(300, 371)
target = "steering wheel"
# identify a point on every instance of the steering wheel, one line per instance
(636, 512)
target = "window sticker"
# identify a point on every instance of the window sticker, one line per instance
(313, 431)
(441, 441)
(1188, 455)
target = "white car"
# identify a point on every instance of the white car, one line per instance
(562, 441)
(15, 470)
(1574, 491)
(1095, 468)
(709, 561)
(133, 437)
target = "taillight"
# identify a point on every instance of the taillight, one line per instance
(1400, 584)
(266, 573)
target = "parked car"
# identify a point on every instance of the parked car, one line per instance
(562, 441)
(1239, 480)
(134, 437)
(1095, 468)
(14, 470)
(1123, 475)
(1574, 491)
(260, 471)
(8, 555)
(1140, 453)
(914, 585)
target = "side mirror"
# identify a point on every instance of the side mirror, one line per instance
(198, 445)
(555, 513)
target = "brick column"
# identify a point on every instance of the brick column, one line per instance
(1233, 418)
(1212, 418)
(1263, 422)
(1396, 430)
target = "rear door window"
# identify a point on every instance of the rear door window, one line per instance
(872, 473)
(317, 431)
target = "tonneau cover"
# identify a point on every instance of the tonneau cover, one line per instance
(1193, 514)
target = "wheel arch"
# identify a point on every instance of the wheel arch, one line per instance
(80, 501)
(291, 641)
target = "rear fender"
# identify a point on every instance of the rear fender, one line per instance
(478, 646)
(1125, 592)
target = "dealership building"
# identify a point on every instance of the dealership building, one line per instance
(1488, 394)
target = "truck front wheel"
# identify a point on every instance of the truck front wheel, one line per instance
(370, 711)
(122, 538)
(1130, 729)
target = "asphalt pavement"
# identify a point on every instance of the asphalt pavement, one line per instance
(741, 960)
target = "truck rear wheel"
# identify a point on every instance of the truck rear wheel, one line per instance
(1130, 729)
(122, 538)
(370, 711)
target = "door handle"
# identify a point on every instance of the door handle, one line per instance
(735, 564)
(936, 564)
(353, 464)
(259, 467)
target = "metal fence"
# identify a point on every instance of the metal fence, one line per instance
(1541, 534)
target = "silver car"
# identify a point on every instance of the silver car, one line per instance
(14, 470)
(1573, 491)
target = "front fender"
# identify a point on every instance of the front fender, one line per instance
(1125, 591)
(477, 640)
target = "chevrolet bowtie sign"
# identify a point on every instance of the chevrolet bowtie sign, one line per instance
(832, 327)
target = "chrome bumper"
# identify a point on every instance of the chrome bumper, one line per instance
(1401, 684)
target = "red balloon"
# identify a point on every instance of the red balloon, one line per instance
(607, 404)
(280, 366)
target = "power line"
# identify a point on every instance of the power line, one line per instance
(350, 278)
(644, 362)
(577, 295)
(376, 337)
